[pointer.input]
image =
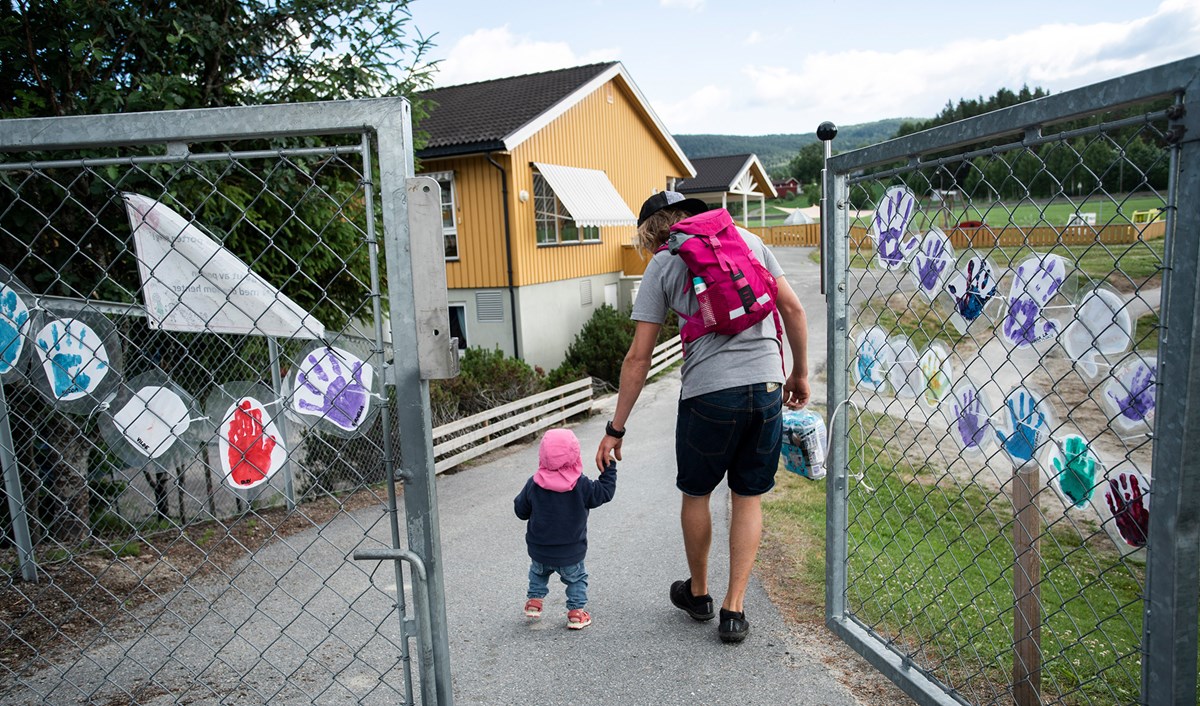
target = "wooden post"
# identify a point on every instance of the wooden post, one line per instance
(1027, 574)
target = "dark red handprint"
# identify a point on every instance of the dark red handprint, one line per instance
(250, 446)
(1129, 504)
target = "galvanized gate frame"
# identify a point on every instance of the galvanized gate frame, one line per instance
(1169, 644)
(419, 316)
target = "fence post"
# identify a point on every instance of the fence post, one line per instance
(1027, 593)
(16, 498)
(1172, 551)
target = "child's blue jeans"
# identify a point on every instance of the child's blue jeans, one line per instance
(574, 576)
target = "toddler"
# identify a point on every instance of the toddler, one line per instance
(556, 502)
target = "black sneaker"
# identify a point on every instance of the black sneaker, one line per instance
(699, 607)
(733, 627)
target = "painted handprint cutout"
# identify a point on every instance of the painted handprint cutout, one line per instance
(874, 359)
(1127, 497)
(152, 419)
(937, 374)
(1036, 282)
(14, 327)
(1028, 426)
(889, 229)
(1102, 326)
(932, 263)
(972, 288)
(1129, 395)
(971, 423)
(1074, 468)
(334, 385)
(905, 373)
(73, 358)
(250, 445)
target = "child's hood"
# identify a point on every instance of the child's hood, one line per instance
(559, 461)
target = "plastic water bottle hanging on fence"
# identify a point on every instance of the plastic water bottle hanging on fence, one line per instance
(804, 443)
(706, 309)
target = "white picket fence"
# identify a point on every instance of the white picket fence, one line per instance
(471, 437)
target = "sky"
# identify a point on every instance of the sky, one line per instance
(774, 66)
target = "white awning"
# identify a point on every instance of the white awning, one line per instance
(588, 196)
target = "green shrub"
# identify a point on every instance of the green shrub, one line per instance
(487, 379)
(600, 347)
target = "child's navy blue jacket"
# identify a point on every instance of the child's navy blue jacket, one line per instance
(557, 529)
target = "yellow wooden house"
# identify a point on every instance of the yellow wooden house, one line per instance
(541, 177)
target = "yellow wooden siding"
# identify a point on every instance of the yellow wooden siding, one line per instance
(596, 133)
(612, 137)
(480, 213)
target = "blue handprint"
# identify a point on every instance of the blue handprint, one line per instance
(867, 359)
(890, 224)
(341, 401)
(74, 360)
(1028, 425)
(13, 317)
(871, 365)
(973, 289)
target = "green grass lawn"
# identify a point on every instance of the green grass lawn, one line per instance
(1117, 209)
(930, 566)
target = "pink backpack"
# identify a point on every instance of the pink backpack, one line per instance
(735, 290)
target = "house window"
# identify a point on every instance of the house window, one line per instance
(458, 325)
(449, 215)
(553, 222)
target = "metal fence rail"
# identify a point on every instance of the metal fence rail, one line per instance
(1011, 513)
(201, 417)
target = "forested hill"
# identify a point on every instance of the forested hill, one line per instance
(776, 150)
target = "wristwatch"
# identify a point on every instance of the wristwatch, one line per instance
(612, 431)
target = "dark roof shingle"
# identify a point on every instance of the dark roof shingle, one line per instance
(713, 174)
(475, 117)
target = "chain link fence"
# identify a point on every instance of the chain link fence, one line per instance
(195, 430)
(1009, 391)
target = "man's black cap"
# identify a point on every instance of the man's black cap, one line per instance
(674, 199)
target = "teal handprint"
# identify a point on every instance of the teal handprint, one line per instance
(73, 358)
(13, 317)
(1076, 471)
(1028, 424)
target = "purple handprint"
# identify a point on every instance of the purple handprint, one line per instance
(328, 393)
(1132, 393)
(932, 261)
(971, 419)
(1038, 279)
(1129, 503)
(1021, 324)
(890, 224)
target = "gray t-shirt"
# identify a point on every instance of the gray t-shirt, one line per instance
(713, 362)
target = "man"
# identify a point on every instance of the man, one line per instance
(730, 407)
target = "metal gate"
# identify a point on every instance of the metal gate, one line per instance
(1013, 501)
(213, 379)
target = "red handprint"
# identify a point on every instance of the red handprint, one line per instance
(249, 445)
(1129, 506)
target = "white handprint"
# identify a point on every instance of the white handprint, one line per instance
(1102, 326)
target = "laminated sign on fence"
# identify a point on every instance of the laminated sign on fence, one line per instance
(191, 283)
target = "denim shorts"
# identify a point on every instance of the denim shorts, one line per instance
(736, 430)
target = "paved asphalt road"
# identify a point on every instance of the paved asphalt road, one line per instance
(640, 649)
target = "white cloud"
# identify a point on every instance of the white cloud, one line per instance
(694, 113)
(754, 38)
(683, 4)
(498, 53)
(859, 85)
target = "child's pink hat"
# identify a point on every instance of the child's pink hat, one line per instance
(559, 462)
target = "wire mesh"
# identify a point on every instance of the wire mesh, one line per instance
(1003, 305)
(192, 497)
